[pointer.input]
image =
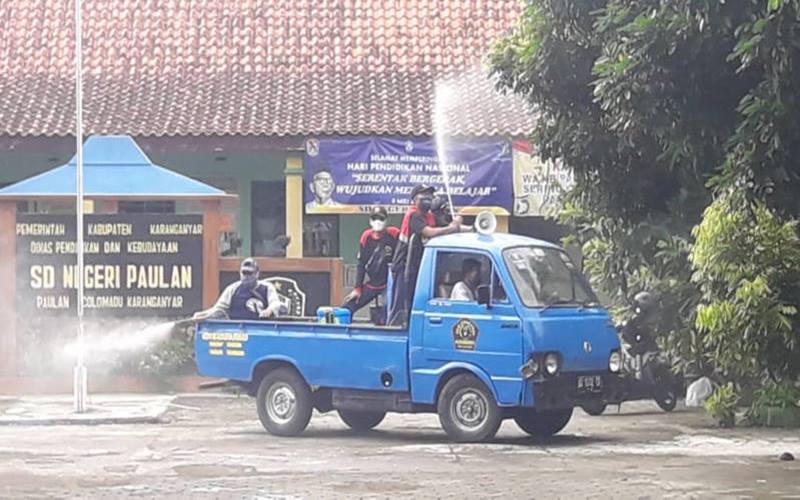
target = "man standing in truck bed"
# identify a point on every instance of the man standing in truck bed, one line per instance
(419, 225)
(376, 249)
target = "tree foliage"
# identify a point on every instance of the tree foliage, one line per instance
(748, 267)
(676, 114)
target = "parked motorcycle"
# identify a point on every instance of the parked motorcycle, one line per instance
(646, 374)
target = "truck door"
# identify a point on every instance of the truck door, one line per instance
(457, 329)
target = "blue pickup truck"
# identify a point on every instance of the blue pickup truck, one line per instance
(532, 346)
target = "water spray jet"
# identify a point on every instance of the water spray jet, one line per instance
(444, 96)
(127, 338)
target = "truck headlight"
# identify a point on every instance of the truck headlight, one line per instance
(551, 363)
(614, 362)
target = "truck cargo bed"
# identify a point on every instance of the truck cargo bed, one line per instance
(349, 356)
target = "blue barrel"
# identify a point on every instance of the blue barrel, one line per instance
(334, 315)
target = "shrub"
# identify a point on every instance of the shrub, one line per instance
(772, 395)
(722, 405)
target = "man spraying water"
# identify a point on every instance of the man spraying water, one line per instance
(419, 225)
(248, 298)
(443, 212)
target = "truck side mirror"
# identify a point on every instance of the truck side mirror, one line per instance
(484, 295)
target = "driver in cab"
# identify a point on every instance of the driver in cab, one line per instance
(466, 290)
(247, 299)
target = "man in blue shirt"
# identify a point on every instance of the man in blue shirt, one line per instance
(247, 299)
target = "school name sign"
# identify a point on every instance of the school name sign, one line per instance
(134, 264)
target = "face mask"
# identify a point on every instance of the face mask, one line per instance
(377, 225)
(425, 205)
(249, 279)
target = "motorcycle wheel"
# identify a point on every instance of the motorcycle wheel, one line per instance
(666, 399)
(665, 388)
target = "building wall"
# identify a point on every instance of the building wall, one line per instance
(237, 169)
(249, 167)
(15, 166)
(231, 169)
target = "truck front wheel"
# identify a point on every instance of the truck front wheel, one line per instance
(543, 424)
(467, 410)
(284, 402)
(361, 420)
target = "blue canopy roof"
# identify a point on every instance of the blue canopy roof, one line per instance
(114, 167)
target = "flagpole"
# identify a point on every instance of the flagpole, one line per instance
(79, 376)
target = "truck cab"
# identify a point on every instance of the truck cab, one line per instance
(533, 344)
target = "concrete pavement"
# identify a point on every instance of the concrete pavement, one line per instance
(214, 447)
(100, 409)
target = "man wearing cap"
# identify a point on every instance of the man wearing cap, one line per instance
(375, 252)
(322, 187)
(419, 225)
(247, 299)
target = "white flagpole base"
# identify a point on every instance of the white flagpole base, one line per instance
(79, 388)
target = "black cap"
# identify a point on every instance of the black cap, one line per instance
(249, 266)
(378, 213)
(440, 203)
(422, 188)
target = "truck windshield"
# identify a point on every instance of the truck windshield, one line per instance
(546, 277)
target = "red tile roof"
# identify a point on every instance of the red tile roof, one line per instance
(255, 67)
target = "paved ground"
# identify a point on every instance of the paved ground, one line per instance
(100, 409)
(214, 447)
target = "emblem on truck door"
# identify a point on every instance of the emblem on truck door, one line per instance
(587, 346)
(465, 335)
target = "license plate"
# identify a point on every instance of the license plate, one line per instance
(591, 383)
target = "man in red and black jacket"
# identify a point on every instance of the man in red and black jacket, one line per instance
(374, 255)
(419, 225)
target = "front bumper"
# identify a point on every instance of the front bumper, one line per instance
(562, 391)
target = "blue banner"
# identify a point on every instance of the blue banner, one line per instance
(351, 175)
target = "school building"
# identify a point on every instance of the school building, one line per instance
(245, 96)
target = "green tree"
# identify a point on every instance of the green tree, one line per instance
(748, 265)
(658, 106)
(747, 250)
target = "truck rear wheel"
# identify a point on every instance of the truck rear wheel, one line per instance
(467, 410)
(543, 424)
(284, 402)
(361, 420)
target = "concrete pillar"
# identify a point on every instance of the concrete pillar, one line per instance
(294, 206)
(245, 227)
(212, 224)
(8, 262)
